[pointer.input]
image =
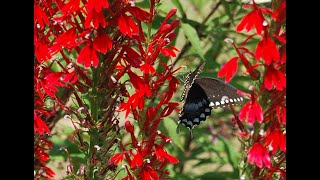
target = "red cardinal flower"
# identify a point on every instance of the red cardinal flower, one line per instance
(97, 5)
(276, 78)
(162, 155)
(40, 17)
(88, 56)
(280, 13)
(102, 43)
(116, 159)
(229, 69)
(148, 173)
(276, 139)
(252, 111)
(258, 155)
(127, 25)
(39, 125)
(137, 161)
(97, 19)
(253, 19)
(267, 50)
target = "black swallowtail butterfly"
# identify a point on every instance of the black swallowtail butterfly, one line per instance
(200, 95)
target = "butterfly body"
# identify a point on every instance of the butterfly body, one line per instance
(201, 95)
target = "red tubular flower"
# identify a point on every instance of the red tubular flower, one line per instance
(252, 111)
(102, 43)
(229, 69)
(116, 158)
(67, 39)
(97, 19)
(148, 173)
(276, 78)
(127, 25)
(267, 50)
(280, 13)
(40, 17)
(39, 125)
(70, 7)
(258, 155)
(97, 5)
(88, 56)
(253, 19)
(276, 139)
(137, 161)
(41, 51)
(162, 155)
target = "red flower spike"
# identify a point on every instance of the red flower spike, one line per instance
(88, 56)
(267, 50)
(276, 139)
(116, 158)
(258, 155)
(102, 43)
(229, 69)
(137, 161)
(97, 5)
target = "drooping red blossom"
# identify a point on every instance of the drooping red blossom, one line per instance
(274, 78)
(258, 155)
(267, 50)
(70, 7)
(116, 158)
(88, 56)
(136, 161)
(140, 14)
(253, 19)
(280, 13)
(102, 43)
(67, 40)
(148, 173)
(40, 17)
(41, 51)
(97, 5)
(127, 25)
(39, 125)
(251, 111)
(276, 139)
(95, 20)
(163, 155)
(229, 69)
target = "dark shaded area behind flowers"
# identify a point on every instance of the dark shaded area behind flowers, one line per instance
(89, 54)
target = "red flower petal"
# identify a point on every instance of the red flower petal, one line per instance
(229, 69)
(102, 43)
(267, 50)
(116, 159)
(258, 154)
(136, 161)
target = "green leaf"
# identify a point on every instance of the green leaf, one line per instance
(180, 8)
(193, 37)
(171, 125)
